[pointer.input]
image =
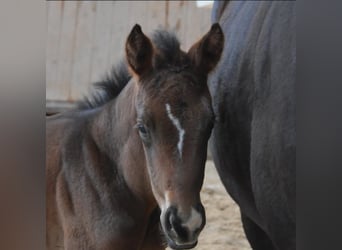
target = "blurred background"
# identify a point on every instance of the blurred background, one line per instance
(86, 38)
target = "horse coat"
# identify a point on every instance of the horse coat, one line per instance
(253, 141)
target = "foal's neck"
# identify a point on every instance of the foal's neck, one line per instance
(115, 133)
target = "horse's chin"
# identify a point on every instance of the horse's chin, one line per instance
(178, 246)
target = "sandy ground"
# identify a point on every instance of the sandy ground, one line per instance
(223, 230)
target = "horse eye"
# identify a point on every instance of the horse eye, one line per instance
(142, 129)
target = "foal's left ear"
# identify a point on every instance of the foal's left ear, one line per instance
(139, 51)
(206, 53)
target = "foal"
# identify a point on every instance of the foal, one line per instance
(133, 158)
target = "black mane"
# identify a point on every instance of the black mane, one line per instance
(108, 88)
(169, 56)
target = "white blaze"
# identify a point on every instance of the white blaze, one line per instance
(177, 124)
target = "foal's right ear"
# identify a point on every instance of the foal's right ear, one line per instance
(139, 51)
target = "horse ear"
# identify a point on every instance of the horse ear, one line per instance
(139, 51)
(206, 53)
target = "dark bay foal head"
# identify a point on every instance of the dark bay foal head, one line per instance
(174, 122)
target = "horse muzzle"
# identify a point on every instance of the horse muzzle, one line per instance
(181, 231)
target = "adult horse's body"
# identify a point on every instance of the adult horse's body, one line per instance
(138, 147)
(253, 93)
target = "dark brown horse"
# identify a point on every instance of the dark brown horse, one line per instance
(253, 142)
(132, 158)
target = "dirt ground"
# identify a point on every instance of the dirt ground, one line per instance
(223, 230)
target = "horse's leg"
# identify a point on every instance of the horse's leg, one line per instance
(257, 238)
(154, 239)
(75, 239)
(54, 238)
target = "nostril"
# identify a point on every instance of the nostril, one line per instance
(173, 224)
(172, 220)
(201, 210)
(175, 221)
(176, 225)
(168, 220)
